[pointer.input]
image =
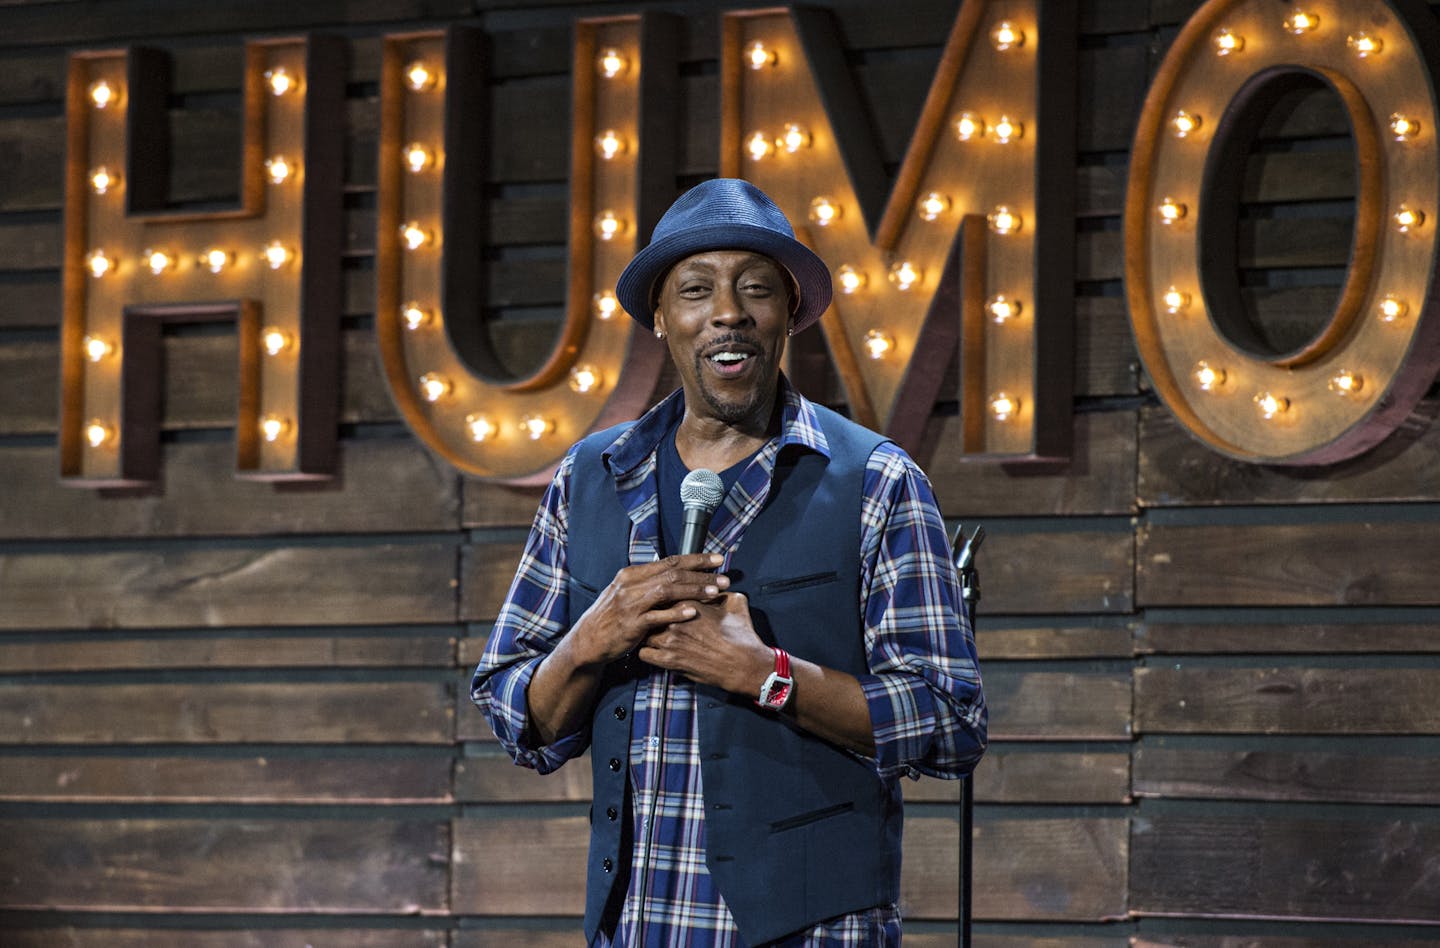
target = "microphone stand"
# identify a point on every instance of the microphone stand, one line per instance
(970, 595)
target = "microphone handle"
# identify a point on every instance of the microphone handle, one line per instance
(693, 539)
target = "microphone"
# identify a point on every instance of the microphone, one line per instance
(700, 493)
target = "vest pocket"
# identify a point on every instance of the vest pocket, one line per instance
(797, 582)
(814, 816)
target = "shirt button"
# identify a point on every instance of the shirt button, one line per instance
(612, 814)
(607, 865)
(615, 764)
(619, 714)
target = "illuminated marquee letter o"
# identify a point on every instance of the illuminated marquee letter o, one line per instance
(1348, 388)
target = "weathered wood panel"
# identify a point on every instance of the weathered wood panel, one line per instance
(1177, 470)
(994, 642)
(200, 494)
(330, 584)
(1049, 869)
(1043, 705)
(1260, 939)
(272, 778)
(227, 712)
(1370, 634)
(1260, 774)
(388, 937)
(1178, 698)
(1275, 867)
(356, 867)
(360, 651)
(1297, 564)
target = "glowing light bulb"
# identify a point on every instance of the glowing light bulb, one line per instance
(932, 205)
(1171, 210)
(1345, 383)
(1207, 376)
(1392, 309)
(98, 263)
(96, 349)
(280, 81)
(1300, 22)
(274, 340)
(215, 259)
(1003, 220)
(1364, 45)
(417, 157)
(758, 56)
(758, 146)
(1227, 42)
(274, 427)
(969, 126)
(1175, 300)
(1007, 130)
(278, 169)
(536, 427)
(824, 211)
(585, 378)
(1006, 35)
(480, 428)
(1002, 308)
(608, 226)
(157, 261)
(419, 77)
(413, 236)
(434, 386)
(1408, 219)
(1004, 406)
(102, 94)
(611, 63)
(275, 254)
(904, 275)
(605, 305)
(102, 179)
(878, 343)
(850, 279)
(609, 143)
(794, 137)
(1271, 406)
(1183, 124)
(413, 315)
(97, 433)
(1403, 128)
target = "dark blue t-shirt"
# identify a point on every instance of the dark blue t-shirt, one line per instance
(670, 471)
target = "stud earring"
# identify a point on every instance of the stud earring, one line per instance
(659, 334)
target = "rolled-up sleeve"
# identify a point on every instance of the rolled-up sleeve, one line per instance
(927, 707)
(532, 621)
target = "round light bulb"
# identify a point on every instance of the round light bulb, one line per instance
(1392, 309)
(1270, 405)
(609, 144)
(969, 126)
(1300, 22)
(1408, 219)
(1006, 35)
(419, 76)
(850, 279)
(1227, 42)
(157, 261)
(274, 340)
(480, 427)
(1403, 128)
(758, 146)
(98, 263)
(1175, 300)
(417, 157)
(1003, 220)
(1345, 383)
(413, 315)
(611, 63)
(824, 211)
(605, 305)
(1183, 124)
(1004, 406)
(1171, 210)
(278, 169)
(279, 81)
(434, 386)
(794, 137)
(1007, 130)
(413, 236)
(102, 94)
(1002, 308)
(96, 349)
(932, 205)
(758, 56)
(584, 378)
(102, 180)
(608, 225)
(215, 259)
(97, 432)
(1364, 45)
(274, 427)
(904, 275)
(1207, 376)
(536, 427)
(275, 254)
(878, 343)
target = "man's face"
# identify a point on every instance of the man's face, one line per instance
(725, 314)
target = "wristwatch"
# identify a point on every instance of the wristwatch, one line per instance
(777, 688)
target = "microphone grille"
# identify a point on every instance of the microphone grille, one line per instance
(703, 489)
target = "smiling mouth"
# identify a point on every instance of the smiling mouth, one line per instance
(729, 362)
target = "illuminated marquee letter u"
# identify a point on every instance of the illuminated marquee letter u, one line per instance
(272, 264)
(975, 243)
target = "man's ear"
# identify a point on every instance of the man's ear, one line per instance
(659, 322)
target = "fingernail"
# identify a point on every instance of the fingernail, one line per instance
(717, 558)
(723, 581)
(712, 590)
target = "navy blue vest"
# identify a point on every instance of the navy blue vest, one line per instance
(797, 830)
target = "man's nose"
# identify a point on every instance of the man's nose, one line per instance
(728, 306)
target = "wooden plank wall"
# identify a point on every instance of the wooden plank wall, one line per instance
(235, 715)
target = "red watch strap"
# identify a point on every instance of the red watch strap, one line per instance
(782, 662)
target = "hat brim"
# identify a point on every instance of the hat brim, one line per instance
(811, 275)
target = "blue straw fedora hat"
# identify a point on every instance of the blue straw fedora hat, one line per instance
(724, 214)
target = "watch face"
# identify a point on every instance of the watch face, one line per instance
(775, 692)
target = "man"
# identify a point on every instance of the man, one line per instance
(749, 708)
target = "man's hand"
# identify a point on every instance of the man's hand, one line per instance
(718, 646)
(644, 598)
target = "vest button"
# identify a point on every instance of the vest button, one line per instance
(615, 764)
(612, 814)
(607, 865)
(620, 714)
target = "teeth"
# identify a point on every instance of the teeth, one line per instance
(728, 357)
